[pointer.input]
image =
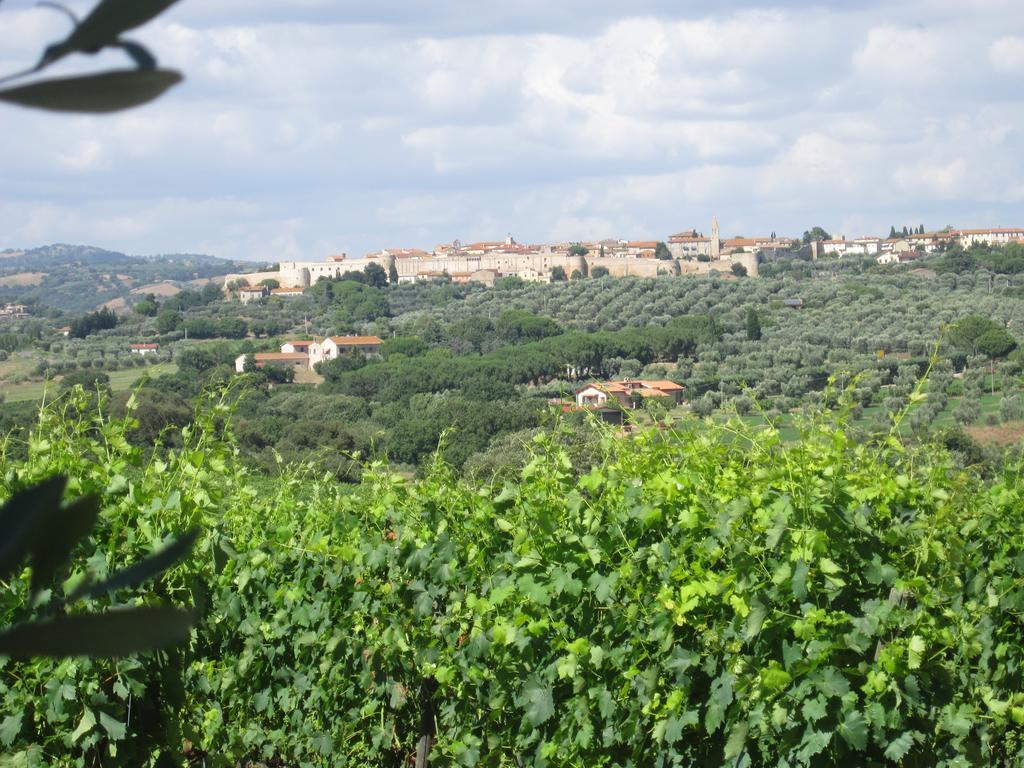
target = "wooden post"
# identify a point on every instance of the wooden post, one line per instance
(428, 723)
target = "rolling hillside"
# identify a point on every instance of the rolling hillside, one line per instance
(77, 278)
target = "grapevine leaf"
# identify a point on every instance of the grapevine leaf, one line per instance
(814, 742)
(115, 728)
(10, 728)
(831, 682)
(538, 702)
(854, 730)
(86, 724)
(602, 585)
(900, 746)
(538, 593)
(814, 709)
(915, 650)
(755, 620)
(737, 741)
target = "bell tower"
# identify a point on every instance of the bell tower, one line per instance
(716, 240)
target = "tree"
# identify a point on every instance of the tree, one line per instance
(966, 332)
(279, 374)
(509, 283)
(167, 321)
(577, 249)
(995, 343)
(576, 275)
(599, 272)
(739, 270)
(147, 307)
(967, 411)
(753, 325)
(270, 283)
(815, 234)
(89, 379)
(409, 346)
(892, 233)
(393, 274)
(662, 252)
(558, 274)
(93, 322)
(376, 275)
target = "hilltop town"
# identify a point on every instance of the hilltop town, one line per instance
(689, 252)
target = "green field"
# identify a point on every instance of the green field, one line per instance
(119, 381)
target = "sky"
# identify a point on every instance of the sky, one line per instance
(315, 127)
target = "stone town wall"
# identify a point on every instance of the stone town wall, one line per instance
(303, 274)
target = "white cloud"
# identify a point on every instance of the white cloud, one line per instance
(318, 126)
(1007, 55)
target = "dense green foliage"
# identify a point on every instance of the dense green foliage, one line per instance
(701, 596)
(100, 320)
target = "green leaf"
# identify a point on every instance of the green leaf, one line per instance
(814, 709)
(737, 741)
(854, 730)
(10, 728)
(115, 728)
(831, 682)
(755, 620)
(829, 567)
(900, 746)
(105, 92)
(915, 650)
(603, 586)
(814, 742)
(538, 702)
(538, 593)
(119, 632)
(86, 724)
(563, 582)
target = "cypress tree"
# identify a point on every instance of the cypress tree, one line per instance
(753, 326)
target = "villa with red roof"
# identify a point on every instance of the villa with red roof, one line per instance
(628, 393)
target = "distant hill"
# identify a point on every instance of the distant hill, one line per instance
(80, 278)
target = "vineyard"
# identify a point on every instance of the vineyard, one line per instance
(703, 595)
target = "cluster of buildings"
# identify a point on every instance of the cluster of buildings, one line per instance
(685, 253)
(13, 312)
(688, 252)
(304, 355)
(903, 248)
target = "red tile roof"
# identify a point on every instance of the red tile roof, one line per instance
(353, 341)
